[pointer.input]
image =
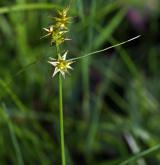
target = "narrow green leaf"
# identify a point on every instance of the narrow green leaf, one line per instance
(109, 28)
(141, 154)
(31, 6)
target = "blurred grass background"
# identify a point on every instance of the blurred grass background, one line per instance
(111, 100)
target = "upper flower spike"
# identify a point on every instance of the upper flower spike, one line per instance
(62, 19)
(57, 31)
(61, 64)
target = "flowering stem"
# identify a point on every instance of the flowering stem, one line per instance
(61, 120)
(58, 49)
(61, 113)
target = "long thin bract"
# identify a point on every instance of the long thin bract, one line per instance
(102, 50)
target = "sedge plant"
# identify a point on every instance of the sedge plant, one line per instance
(57, 34)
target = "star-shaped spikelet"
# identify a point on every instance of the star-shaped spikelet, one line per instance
(57, 36)
(62, 19)
(61, 64)
(49, 31)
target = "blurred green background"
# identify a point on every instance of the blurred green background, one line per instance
(111, 100)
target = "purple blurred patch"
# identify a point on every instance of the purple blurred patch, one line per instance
(136, 19)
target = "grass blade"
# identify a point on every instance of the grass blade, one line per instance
(31, 6)
(13, 138)
(141, 154)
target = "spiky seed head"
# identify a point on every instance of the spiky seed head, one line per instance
(61, 64)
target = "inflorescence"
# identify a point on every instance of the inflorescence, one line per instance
(57, 33)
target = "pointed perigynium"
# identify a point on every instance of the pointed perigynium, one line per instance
(62, 19)
(61, 64)
(57, 36)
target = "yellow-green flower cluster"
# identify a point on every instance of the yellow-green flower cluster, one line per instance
(61, 64)
(62, 19)
(57, 33)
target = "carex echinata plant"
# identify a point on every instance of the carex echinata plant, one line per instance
(57, 34)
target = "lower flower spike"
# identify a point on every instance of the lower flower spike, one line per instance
(61, 64)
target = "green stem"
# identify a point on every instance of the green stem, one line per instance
(58, 50)
(61, 113)
(61, 121)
